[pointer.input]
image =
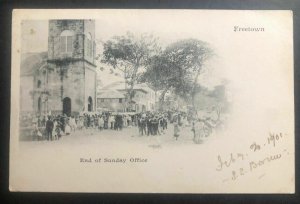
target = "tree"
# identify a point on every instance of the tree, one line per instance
(129, 54)
(156, 75)
(178, 68)
(187, 58)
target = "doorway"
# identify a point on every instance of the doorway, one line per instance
(67, 106)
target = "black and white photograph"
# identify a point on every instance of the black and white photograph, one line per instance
(152, 101)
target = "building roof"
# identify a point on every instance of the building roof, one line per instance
(120, 85)
(31, 62)
(145, 87)
(110, 93)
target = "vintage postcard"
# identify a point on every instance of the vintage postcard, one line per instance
(152, 101)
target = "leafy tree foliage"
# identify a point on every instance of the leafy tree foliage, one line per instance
(129, 54)
(178, 68)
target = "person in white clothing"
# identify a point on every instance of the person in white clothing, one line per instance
(111, 121)
(67, 129)
(101, 122)
(54, 133)
(73, 124)
(198, 131)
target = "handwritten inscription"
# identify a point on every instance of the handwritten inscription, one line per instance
(255, 164)
(244, 161)
(226, 163)
(273, 139)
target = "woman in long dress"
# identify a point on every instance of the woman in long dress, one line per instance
(101, 123)
(176, 127)
(68, 128)
(198, 131)
(54, 133)
(73, 124)
(80, 123)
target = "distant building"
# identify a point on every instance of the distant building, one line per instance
(64, 80)
(111, 100)
(143, 100)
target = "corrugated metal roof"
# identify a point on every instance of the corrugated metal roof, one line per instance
(115, 85)
(120, 85)
(110, 93)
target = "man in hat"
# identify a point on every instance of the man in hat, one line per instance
(155, 125)
(149, 125)
(49, 128)
(142, 125)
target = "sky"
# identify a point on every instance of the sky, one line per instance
(168, 28)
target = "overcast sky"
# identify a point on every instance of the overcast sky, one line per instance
(168, 28)
(35, 33)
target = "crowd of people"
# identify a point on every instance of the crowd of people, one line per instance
(53, 127)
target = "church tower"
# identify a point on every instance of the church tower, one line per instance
(71, 77)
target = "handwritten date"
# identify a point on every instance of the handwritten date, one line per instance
(273, 139)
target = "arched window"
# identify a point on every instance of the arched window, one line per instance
(66, 41)
(39, 83)
(39, 104)
(90, 104)
(89, 45)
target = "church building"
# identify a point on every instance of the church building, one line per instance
(66, 83)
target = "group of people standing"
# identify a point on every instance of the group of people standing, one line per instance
(59, 125)
(156, 123)
(104, 120)
(152, 123)
(53, 127)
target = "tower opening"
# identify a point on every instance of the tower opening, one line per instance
(67, 106)
(39, 105)
(90, 104)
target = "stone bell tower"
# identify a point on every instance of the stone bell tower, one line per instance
(71, 77)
